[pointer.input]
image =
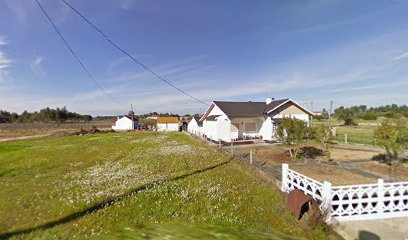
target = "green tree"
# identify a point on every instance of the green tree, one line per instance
(393, 136)
(322, 134)
(347, 115)
(292, 132)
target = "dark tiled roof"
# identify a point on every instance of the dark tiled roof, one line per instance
(249, 109)
(242, 109)
(212, 117)
(197, 119)
(274, 104)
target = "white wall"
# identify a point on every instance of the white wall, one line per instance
(210, 129)
(193, 127)
(216, 111)
(304, 117)
(242, 120)
(224, 128)
(123, 124)
(167, 127)
(267, 129)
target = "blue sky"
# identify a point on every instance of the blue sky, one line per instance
(351, 51)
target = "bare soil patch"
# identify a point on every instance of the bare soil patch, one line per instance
(339, 154)
(14, 130)
(269, 154)
(400, 172)
(334, 174)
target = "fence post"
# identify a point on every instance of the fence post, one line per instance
(219, 143)
(285, 168)
(326, 199)
(232, 148)
(250, 156)
(345, 138)
(380, 198)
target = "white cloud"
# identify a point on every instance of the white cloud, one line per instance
(3, 40)
(37, 66)
(4, 62)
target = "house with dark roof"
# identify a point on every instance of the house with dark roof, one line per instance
(232, 121)
(195, 126)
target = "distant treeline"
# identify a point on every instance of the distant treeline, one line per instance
(57, 115)
(372, 113)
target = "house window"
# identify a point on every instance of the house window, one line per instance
(250, 127)
(234, 127)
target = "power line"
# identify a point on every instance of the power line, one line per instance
(74, 54)
(130, 56)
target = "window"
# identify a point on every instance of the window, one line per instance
(234, 127)
(250, 127)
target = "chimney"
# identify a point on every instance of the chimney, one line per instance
(269, 100)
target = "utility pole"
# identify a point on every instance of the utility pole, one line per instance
(131, 110)
(330, 111)
(311, 109)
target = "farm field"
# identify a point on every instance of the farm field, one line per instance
(143, 184)
(271, 155)
(400, 172)
(333, 174)
(12, 130)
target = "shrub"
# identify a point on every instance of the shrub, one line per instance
(369, 116)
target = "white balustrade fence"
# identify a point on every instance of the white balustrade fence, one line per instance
(351, 202)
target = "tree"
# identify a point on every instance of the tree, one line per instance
(393, 136)
(292, 132)
(322, 134)
(347, 115)
(147, 123)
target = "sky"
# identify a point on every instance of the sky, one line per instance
(312, 51)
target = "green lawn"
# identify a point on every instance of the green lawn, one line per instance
(100, 186)
(356, 134)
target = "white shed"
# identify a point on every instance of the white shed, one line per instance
(123, 124)
(167, 124)
(195, 126)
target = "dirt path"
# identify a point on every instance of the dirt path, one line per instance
(22, 138)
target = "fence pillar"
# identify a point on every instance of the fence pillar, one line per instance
(326, 200)
(250, 156)
(345, 138)
(285, 171)
(219, 143)
(380, 194)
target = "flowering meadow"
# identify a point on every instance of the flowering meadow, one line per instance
(138, 185)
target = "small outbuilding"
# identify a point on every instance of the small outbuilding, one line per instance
(167, 124)
(123, 124)
(195, 126)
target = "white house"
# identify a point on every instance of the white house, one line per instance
(230, 121)
(195, 126)
(167, 124)
(123, 124)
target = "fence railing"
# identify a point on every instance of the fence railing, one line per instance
(351, 202)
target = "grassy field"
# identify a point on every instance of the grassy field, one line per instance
(137, 185)
(356, 134)
(11, 130)
(361, 134)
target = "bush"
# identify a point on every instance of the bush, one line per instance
(380, 157)
(369, 116)
(311, 152)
